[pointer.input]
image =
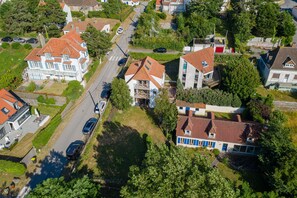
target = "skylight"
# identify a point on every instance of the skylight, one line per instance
(204, 64)
(5, 110)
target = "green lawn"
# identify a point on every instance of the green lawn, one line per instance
(12, 168)
(278, 95)
(228, 116)
(292, 123)
(47, 110)
(156, 56)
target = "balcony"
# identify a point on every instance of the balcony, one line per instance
(141, 94)
(142, 86)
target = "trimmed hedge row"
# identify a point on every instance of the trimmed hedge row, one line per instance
(225, 58)
(157, 57)
(120, 16)
(160, 41)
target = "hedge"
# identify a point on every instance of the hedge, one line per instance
(168, 42)
(12, 168)
(156, 56)
(224, 58)
(77, 14)
(28, 46)
(46, 133)
(16, 46)
(31, 87)
(92, 69)
(120, 16)
(207, 96)
(5, 45)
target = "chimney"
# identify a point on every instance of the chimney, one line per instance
(238, 118)
(77, 29)
(212, 115)
(72, 26)
(190, 113)
(42, 40)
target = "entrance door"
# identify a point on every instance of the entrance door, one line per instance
(286, 77)
(225, 146)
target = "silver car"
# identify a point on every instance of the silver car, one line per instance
(100, 107)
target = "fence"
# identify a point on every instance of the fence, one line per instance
(31, 98)
(224, 109)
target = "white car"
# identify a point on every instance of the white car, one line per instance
(100, 107)
(120, 30)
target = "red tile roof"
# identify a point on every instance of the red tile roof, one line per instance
(196, 59)
(82, 25)
(145, 70)
(69, 44)
(6, 101)
(225, 130)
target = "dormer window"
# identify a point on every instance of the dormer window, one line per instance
(249, 139)
(48, 56)
(16, 106)
(66, 57)
(204, 64)
(289, 63)
(187, 132)
(5, 110)
(211, 135)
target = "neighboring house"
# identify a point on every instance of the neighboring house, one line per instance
(171, 6)
(131, 2)
(145, 78)
(279, 68)
(67, 10)
(211, 133)
(184, 107)
(61, 58)
(218, 43)
(82, 5)
(81, 26)
(294, 12)
(196, 68)
(13, 112)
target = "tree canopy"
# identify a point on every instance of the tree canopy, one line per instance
(240, 77)
(58, 187)
(120, 94)
(260, 108)
(172, 172)
(98, 42)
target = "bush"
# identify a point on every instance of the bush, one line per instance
(77, 14)
(12, 168)
(74, 90)
(31, 87)
(41, 99)
(97, 14)
(92, 70)
(5, 45)
(224, 59)
(16, 46)
(161, 15)
(46, 100)
(28, 46)
(216, 152)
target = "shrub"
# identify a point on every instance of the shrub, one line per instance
(92, 70)
(77, 14)
(158, 57)
(216, 152)
(5, 45)
(16, 46)
(31, 87)
(28, 46)
(97, 14)
(74, 90)
(46, 100)
(12, 168)
(161, 15)
(41, 99)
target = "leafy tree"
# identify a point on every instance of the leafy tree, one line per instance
(98, 42)
(58, 187)
(267, 20)
(17, 19)
(120, 94)
(242, 25)
(172, 172)
(260, 108)
(286, 28)
(278, 158)
(241, 78)
(54, 31)
(205, 8)
(166, 112)
(49, 14)
(74, 90)
(199, 26)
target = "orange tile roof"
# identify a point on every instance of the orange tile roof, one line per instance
(68, 44)
(82, 25)
(196, 59)
(6, 101)
(146, 69)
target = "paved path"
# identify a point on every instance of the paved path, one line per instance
(283, 105)
(53, 164)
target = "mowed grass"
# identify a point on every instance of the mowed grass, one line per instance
(11, 58)
(278, 95)
(47, 110)
(141, 121)
(56, 88)
(12, 168)
(292, 124)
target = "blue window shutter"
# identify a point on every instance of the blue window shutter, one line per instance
(197, 142)
(178, 140)
(213, 144)
(187, 141)
(203, 143)
(206, 143)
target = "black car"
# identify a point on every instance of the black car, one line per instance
(122, 62)
(32, 41)
(74, 149)
(160, 50)
(19, 40)
(89, 126)
(7, 39)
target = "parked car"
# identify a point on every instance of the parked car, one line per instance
(160, 50)
(120, 30)
(106, 92)
(19, 40)
(32, 41)
(100, 107)
(122, 62)
(7, 39)
(89, 126)
(74, 149)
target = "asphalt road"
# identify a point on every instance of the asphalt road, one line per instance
(53, 164)
(289, 4)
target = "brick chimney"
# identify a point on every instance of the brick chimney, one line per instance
(238, 118)
(212, 115)
(190, 113)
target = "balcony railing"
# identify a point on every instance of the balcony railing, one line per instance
(142, 86)
(142, 94)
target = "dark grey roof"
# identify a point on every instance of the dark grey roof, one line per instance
(80, 2)
(276, 58)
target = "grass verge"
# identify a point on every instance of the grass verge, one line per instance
(156, 56)
(278, 95)
(91, 71)
(13, 168)
(292, 124)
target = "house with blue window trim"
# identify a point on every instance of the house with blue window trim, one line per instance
(225, 135)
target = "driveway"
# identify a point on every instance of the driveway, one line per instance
(53, 165)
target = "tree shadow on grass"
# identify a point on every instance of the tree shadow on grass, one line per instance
(119, 148)
(171, 69)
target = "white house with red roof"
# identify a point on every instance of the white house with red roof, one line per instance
(145, 78)
(195, 68)
(64, 58)
(13, 112)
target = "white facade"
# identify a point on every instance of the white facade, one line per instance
(190, 76)
(67, 10)
(196, 111)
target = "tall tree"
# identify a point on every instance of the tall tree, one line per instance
(286, 28)
(47, 14)
(120, 94)
(98, 42)
(172, 172)
(199, 26)
(58, 187)
(17, 19)
(242, 25)
(205, 8)
(240, 77)
(166, 112)
(267, 20)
